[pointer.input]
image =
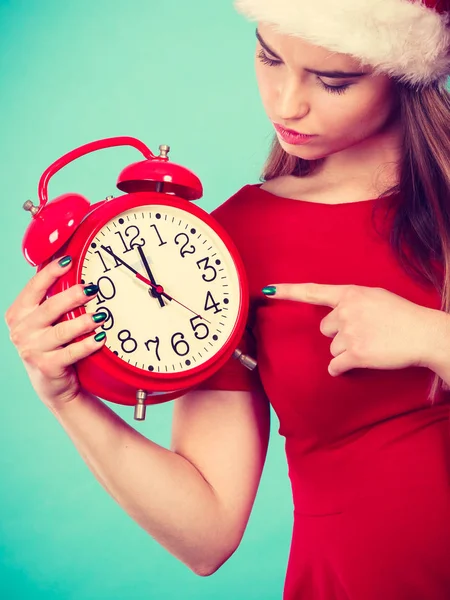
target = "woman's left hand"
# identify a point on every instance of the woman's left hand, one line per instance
(371, 327)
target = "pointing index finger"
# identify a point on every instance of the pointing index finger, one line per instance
(311, 293)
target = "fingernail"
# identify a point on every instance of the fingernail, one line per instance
(65, 261)
(99, 317)
(90, 290)
(100, 336)
(270, 290)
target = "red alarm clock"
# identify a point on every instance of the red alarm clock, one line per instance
(169, 276)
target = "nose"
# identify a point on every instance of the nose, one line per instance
(292, 100)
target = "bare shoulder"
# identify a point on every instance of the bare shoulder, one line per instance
(292, 187)
(277, 185)
(200, 414)
(318, 189)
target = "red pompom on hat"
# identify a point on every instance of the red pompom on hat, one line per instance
(406, 39)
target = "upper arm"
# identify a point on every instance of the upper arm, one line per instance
(225, 435)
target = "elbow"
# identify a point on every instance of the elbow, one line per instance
(206, 570)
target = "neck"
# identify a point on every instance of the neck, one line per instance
(371, 164)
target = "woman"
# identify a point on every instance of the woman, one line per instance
(349, 238)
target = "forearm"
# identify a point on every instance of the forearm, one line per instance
(160, 490)
(438, 347)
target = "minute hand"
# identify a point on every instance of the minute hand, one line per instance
(158, 288)
(150, 275)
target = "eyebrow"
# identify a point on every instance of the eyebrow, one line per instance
(332, 74)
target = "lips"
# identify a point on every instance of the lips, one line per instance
(291, 131)
(293, 137)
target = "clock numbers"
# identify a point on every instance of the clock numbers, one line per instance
(196, 327)
(161, 243)
(108, 323)
(106, 289)
(207, 267)
(181, 347)
(128, 233)
(129, 344)
(106, 269)
(155, 341)
(183, 252)
(210, 304)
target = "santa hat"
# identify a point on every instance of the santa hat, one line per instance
(406, 39)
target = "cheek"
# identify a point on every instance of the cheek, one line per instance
(266, 86)
(355, 115)
(373, 114)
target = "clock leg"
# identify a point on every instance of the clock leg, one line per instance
(140, 407)
(245, 359)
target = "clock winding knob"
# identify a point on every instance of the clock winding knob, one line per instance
(29, 206)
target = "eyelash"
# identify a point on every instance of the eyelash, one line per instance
(332, 89)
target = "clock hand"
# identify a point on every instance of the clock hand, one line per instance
(150, 275)
(158, 288)
(187, 308)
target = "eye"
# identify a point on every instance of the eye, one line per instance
(332, 89)
(266, 60)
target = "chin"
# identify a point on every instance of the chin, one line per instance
(303, 152)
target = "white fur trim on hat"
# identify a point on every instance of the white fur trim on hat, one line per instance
(402, 38)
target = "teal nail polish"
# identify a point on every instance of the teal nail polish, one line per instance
(90, 290)
(270, 290)
(66, 260)
(100, 336)
(99, 317)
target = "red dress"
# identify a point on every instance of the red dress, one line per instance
(368, 456)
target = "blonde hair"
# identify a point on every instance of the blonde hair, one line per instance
(422, 218)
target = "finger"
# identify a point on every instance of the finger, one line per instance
(29, 329)
(338, 345)
(341, 364)
(37, 287)
(312, 293)
(58, 305)
(78, 350)
(67, 331)
(55, 362)
(329, 326)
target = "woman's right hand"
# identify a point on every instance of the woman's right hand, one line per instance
(47, 349)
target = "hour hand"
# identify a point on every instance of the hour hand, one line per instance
(150, 276)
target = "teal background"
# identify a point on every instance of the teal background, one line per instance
(172, 72)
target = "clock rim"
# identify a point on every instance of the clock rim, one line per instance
(104, 359)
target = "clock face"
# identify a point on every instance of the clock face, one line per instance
(175, 302)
